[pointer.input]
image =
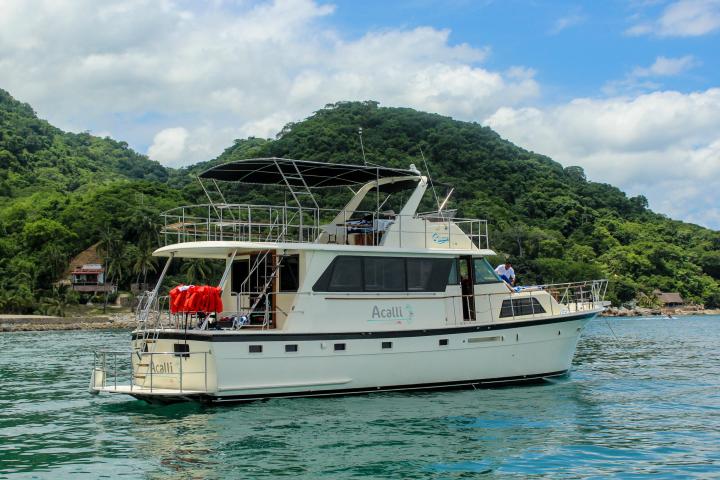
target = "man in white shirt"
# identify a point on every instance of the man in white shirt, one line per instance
(506, 273)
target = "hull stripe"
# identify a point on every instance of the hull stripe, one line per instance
(238, 336)
(458, 384)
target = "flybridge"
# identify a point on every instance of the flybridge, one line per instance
(302, 220)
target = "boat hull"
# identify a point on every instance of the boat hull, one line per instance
(300, 365)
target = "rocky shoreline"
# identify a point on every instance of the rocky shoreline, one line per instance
(651, 312)
(32, 323)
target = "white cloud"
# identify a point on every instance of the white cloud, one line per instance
(169, 145)
(665, 145)
(665, 66)
(567, 21)
(646, 78)
(182, 80)
(684, 18)
(226, 69)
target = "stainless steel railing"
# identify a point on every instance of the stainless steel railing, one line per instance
(118, 368)
(284, 223)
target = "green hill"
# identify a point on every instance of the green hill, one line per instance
(554, 223)
(61, 192)
(34, 155)
(66, 191)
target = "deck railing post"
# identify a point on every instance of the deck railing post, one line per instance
(205, 369)
(181, 373)
(132, 372)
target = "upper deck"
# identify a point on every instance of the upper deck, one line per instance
(301, 220)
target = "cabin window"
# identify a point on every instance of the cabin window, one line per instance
(383, 274)
(346, 275)
(517, 307)
(291, 348)
(240, 271)
(386, 345)
(339, 347)
(290, 273)
(428, 274)
(255, 348)
(443, 342)
(453, 277)
(484, 272)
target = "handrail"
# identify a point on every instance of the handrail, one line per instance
(106, 368)
(285, 223)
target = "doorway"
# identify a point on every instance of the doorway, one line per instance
(467, 291)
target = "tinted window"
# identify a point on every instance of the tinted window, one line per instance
(520, 306)
(346, 275)
(290, 274)
(484, 273)
(383, 274)
(453, 277)
(428, 274)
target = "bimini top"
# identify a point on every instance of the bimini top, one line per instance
(284, 171)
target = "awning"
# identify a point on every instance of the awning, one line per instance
(298, 173)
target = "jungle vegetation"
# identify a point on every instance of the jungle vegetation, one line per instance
(62, 192)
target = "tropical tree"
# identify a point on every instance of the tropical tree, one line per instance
(144, 262)
(196, 270)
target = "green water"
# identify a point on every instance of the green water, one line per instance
(644, 404)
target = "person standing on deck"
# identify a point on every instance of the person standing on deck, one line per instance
(506, 273)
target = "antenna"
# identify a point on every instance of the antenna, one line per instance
(432, 185)
(362, 147)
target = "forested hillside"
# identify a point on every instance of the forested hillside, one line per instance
(551, 221)
(62, 192)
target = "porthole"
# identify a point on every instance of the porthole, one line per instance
(386, 345)
(255, 348)
(291, 348)
(443, 342)
(339, 347)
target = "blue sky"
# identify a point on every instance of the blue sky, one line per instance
(575, 47)
(629, 90)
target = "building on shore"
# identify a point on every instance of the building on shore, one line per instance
(670, 299)
(86, 273)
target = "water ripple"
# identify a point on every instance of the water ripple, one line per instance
(644, 404)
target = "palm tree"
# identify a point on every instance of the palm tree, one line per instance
(111, 249)
(196, 270)
(56, 259)
(144, 262)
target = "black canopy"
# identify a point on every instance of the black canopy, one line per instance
(270, 171)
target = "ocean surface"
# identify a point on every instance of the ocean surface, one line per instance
(643, 400)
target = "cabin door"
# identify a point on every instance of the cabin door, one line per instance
(467, 288)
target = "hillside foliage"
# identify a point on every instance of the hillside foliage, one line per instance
(62, 192)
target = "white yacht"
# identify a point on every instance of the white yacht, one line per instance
(323, 302)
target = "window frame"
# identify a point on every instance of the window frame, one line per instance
(283, 271)
(491, 269)
(434, 285)
(534, 307)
